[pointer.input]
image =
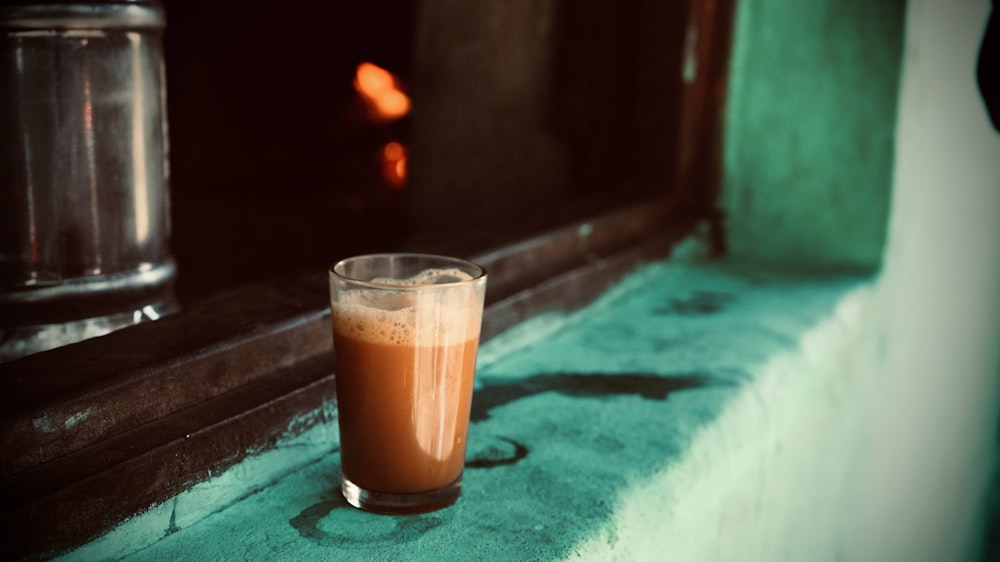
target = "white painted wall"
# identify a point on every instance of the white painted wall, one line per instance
(936, 435)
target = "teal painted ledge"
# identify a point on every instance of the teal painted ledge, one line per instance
(691, 401)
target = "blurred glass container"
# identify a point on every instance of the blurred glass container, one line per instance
(84, 209)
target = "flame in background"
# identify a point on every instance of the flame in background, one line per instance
(381, 93)
(386, 102)
(393, 159)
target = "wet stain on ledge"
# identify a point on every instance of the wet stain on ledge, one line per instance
(503, 452)
(356, 529)
(495, 393)
(700, 302)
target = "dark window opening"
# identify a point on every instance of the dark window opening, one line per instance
(523, 116)
(274, 159)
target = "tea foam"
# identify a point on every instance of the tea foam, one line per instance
(438, 276)
(447, 315)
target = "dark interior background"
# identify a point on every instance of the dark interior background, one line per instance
(273, 162)
(267, 138)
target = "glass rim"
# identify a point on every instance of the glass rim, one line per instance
(480, 271)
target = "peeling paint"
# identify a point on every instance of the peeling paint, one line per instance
(43, 424)
(76, 418)
(690, 70)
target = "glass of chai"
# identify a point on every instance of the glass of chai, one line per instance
(405, 335)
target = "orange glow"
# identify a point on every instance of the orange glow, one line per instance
(380, 90)
(393, 151)
(393, 158)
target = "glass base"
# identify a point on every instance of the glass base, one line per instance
(400, 504)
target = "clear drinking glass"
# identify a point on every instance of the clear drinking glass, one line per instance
(405, 334)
